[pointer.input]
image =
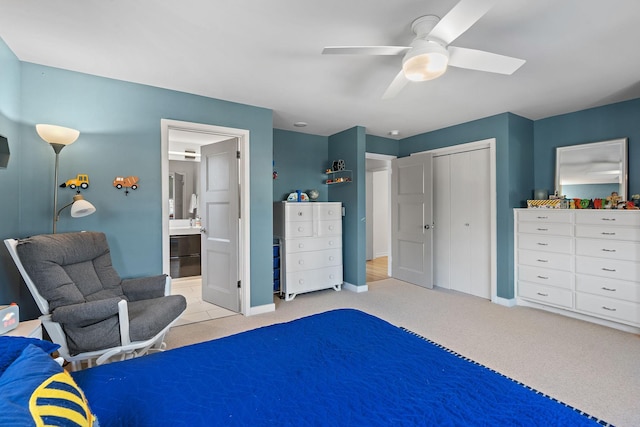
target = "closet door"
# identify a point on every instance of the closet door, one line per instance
(442, 214)
(470, 223)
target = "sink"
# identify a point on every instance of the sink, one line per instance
(182, 227)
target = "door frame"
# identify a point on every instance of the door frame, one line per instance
(387, 158)
(245, 218)
(476, 145)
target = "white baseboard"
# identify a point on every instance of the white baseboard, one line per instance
(353, 288)
(260, 309)
(506, 302)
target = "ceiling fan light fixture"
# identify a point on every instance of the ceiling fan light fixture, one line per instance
(426, 60)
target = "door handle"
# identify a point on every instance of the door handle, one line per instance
(427, 226)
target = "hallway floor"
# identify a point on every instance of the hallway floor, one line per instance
(197, 309)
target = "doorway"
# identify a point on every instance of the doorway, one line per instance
(197, 135)
(378, 216)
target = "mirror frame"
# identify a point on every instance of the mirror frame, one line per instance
(620, 142)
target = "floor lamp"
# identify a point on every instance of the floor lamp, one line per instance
(59, 137)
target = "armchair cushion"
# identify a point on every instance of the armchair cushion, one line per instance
(86, 313)
(70, 268)
(144, 287)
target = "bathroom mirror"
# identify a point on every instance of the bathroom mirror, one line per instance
(590, 171)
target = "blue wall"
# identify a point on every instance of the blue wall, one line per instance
(300, 160)
(596, 124)
(10, 185)
(350, 146)
(380, 145)
(119, 125)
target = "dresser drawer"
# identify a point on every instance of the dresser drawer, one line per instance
(545, 294)
(614, 269)
(329, 211)
(330, 228)
(299, 229)
(608, 307)
(545, 276)
(611, 288)
(613, 249)
(608, 217)
(311, 280)
(545, 215)
(551, 228)
(313, 244)
(545, 243)
(608, 232)
(299, 211)
(545, 259)
(312, 260)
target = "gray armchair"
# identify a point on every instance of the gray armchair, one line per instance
(87, 308)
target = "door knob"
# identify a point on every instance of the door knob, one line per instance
(427, 226)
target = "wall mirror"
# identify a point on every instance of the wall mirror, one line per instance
(590, 171)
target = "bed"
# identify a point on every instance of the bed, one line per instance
(342, 367)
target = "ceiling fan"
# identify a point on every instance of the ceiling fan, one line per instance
(430, 52)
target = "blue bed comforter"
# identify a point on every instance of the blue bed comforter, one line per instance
(339, 368)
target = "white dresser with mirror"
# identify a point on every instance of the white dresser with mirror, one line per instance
(583, 262)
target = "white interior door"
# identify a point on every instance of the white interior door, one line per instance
(412, 220)
(219, 209)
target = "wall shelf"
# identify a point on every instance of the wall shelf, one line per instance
(338, 177)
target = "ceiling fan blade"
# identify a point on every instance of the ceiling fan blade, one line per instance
(483, 61)
(460, 19)
(365, 50)
(398, 83)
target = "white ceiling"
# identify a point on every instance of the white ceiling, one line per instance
(579, 53)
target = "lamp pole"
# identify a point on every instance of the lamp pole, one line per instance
(56, 148)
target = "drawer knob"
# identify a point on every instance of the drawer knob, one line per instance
(543, 217)
(300, 228)
(542, 229)
(331, 227)
(331, 258)
(542, 260)
(543, 295)
(301, 245)
(301, 262)
(542, 277)
(604, 233)
(330, 242)
(608, 219)
(331, 276)
(608, 250)
(301, 281)
(542, 244)
(608, 308)
(300, 213)
(611, 270)
(604, 288)
(330, 212)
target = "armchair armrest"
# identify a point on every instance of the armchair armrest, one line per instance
(142, 288)
(86, 313)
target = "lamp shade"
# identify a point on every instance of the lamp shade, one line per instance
(426, 60)
(57, 134)
(81, 207)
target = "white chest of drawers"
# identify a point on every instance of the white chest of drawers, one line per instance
(311, 236)
(584, 263)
